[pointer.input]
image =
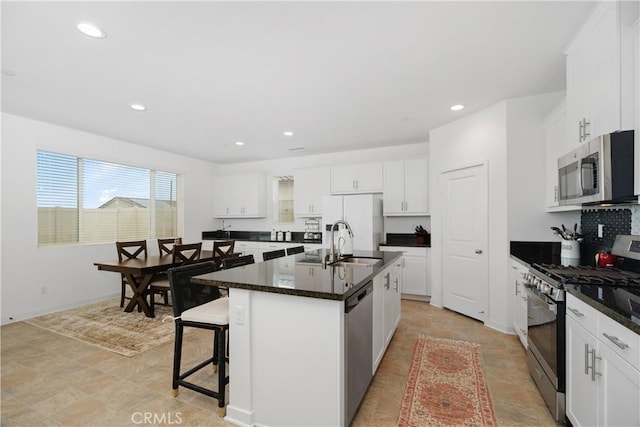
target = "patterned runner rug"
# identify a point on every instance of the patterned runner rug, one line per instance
(446, 386)
(106, 325)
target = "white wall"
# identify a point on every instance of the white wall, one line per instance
(68, 271)
(286, 166)
(509, 136)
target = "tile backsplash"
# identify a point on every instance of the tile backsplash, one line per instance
(624, 220)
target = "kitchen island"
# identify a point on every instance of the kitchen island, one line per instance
(287, 339)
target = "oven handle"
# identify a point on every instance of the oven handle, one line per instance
(550, 306)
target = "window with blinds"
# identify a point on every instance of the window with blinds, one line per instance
(89, 201)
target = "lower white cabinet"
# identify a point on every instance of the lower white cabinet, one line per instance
(415, 274)
(602, 369)
(386, 309)
(519, 304)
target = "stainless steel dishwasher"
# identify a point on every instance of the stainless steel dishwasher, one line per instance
(358, 348)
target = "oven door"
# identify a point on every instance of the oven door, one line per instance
(543, 332)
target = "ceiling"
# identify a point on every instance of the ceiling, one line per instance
(340, 75)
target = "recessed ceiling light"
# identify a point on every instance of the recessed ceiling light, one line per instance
(138, 107)
(287, 133)
(91, 30)
(297, 148)
(239, 143)
(457, 107)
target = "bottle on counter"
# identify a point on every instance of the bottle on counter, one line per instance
(288, 236)
(280, 236)
(273, 234)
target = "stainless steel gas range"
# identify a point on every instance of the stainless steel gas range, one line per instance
(545, 285)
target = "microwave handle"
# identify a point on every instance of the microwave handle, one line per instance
(584, 162)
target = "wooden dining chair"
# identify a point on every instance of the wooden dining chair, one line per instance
(222, 249)
(266, 256)
(295, 250)
(129, 250)
(165, 246)
(237, 261)
(182, 254)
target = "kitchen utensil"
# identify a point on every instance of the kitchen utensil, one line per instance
(561, 233)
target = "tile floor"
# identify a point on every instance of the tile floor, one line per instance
(50, 380)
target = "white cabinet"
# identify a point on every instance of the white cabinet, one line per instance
(386, 309)
(415, 274)
(599, 73)
(309, 187)
(405, 187)
(519, 303)
(350, 179)
(602, 369)
(239, 196)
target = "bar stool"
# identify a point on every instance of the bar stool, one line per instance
(199, 306)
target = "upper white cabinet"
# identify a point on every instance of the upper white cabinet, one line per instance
(600, 73)
(405, 187)
(309, 187)
(350, 179)
(239, 196)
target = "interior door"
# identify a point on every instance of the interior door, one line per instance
(465, 283)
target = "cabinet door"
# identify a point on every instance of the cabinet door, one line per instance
(369, 178)
(578, 90)
(221, 196)
(342, 179)
(378, 320)
(415, 186)
(582, 395)
(618, 391)
(519, 301)
(393, 188)
(414, 278)
(604, 39)
(309, 187)
(251, 190)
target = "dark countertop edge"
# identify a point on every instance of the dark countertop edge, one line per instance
(604, 309)
(387, 257)
(408, 245)
(520, 260)
(302, 242)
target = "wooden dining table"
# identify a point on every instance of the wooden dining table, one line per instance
(140, 272)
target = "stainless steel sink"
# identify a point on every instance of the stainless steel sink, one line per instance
(368, 262)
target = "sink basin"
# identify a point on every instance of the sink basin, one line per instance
(358, 261)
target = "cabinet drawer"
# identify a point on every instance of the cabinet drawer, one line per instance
(582, 313)
(624, 342)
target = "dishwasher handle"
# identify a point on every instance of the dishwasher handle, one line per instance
(356, 298)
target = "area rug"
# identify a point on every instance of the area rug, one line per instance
(446, 386)
(109, 327)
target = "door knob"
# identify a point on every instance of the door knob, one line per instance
(478, 251)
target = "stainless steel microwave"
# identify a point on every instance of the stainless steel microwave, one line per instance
(599, 171)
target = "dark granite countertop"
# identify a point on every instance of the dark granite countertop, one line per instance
(257, 236)
(536, 252)
(290, 275)
(409, 240)
(614, 302)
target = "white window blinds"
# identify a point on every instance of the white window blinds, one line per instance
(90, 201)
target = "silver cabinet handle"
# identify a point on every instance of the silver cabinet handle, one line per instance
(576, 312)
(593, 365)
(584, 128)
(396, 282)
(616, 341)
(478, 251)
(586, 359)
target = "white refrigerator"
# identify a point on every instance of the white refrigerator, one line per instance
(363, 212)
